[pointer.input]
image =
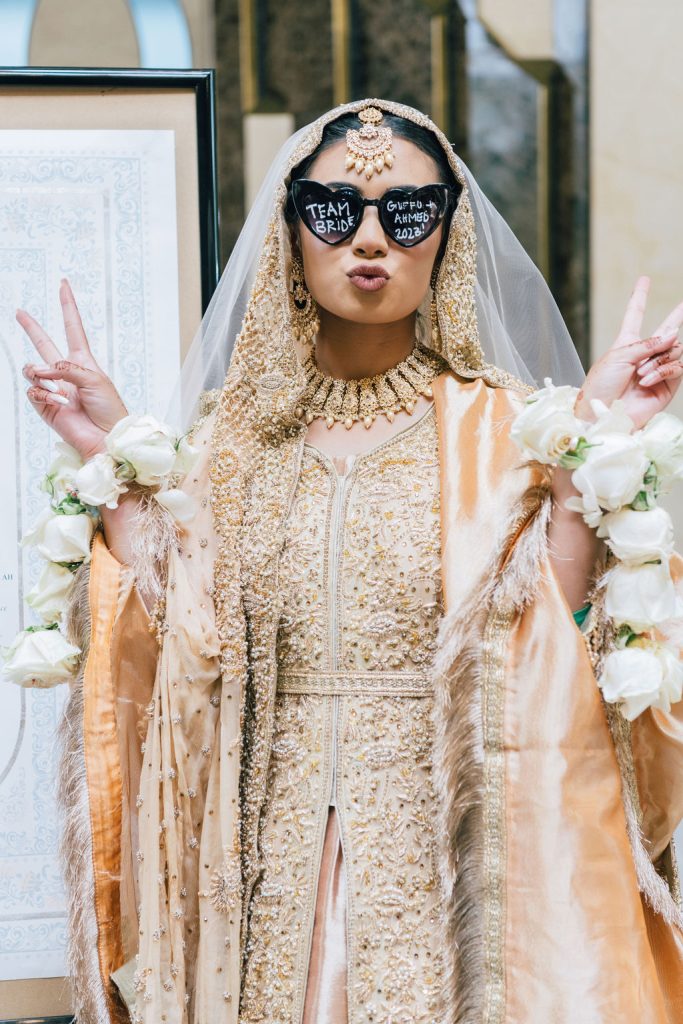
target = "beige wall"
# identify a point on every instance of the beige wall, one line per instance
(636, 160)
(88, 33)
(524, 29)
(100, 33)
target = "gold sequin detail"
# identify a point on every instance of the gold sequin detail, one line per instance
(258, 440)
(368, 613)
(496, 636)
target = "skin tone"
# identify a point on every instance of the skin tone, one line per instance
(363, 333)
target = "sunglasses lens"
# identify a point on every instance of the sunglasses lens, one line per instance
(411, 216)
(330, 215)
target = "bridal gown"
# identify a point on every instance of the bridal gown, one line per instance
(345, 918)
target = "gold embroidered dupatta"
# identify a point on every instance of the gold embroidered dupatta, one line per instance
(552, 897)
(519, 717)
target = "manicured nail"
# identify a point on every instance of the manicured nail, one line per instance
(62, 399)
(650, 378)
(50, 385)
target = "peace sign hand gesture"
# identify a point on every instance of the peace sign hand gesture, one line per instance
(644, 373)
(86, 405)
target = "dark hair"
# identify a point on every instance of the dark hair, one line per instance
(335, 131)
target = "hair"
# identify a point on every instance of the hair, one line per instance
(335, 131)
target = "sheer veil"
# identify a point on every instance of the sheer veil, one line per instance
(521, 329)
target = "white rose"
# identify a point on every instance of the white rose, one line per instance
(587, 505)
(97, 483)
(48, 597)
(662, 441)
(186, 456)
(144, 444)
(609, 419)
(181, 506)
(40, 657)
(671, 689)
(637, 537)
(613, 471)
(59, 479)
(546, 428)
(62, 538)
(641, 596)
(632, 676)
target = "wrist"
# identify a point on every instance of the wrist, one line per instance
(562, 485)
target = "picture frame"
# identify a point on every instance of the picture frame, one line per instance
(176, 109)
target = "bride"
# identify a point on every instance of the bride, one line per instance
(336, 750)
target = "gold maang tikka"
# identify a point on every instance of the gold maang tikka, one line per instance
(369, 148)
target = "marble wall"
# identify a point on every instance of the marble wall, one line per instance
(515, 109)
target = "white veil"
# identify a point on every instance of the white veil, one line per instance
(521, 329)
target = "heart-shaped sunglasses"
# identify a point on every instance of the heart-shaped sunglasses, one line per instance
(408, 216)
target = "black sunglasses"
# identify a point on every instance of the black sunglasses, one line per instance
(407, 215)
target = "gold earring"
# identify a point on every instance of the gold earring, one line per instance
(302, 305)
(433, 312)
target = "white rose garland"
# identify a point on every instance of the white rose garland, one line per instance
(139, 449)
(620, 473)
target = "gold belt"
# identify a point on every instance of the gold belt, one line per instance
(378, 684)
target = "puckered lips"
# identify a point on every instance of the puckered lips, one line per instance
(369, 277)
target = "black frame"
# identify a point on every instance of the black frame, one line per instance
(41, 1020)
(203, 82)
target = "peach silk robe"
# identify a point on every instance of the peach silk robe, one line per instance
(555, 819)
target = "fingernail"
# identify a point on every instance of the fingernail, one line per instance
(50, 385)
(62, 399)
(650, 378)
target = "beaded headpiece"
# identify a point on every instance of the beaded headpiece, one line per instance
(369, 148)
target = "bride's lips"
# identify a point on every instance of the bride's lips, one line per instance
(367, 277)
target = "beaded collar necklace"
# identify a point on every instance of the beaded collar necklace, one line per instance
(348, 401)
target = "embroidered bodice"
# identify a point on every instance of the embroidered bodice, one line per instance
(360, 575)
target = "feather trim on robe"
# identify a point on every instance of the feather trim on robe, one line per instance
(542, 895)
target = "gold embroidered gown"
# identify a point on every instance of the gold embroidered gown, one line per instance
(344, 921)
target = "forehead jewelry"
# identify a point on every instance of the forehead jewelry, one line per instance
(369, 148)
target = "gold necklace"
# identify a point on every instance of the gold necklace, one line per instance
(348, 401)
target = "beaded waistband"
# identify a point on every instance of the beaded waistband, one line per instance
(379, 684)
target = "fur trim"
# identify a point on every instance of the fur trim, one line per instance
(654, 888)
(460, 751)
(154, 534)
(90, 997)
(458, 767)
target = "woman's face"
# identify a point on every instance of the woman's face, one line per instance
(329, 269)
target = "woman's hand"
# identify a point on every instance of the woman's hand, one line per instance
(644, 373)
(93, 404)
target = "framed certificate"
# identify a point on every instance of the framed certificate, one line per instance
(107, 178)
